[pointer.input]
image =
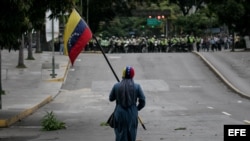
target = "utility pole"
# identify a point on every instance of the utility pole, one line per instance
(87, 16)
(1, 89)
(53, 75)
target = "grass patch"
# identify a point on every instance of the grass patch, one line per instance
(104, 124)
(50, 122)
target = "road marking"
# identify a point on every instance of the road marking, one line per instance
(247, 121)
(210, 107)
(114, 57)
(189, 86)
(225, 113)
(154, 85)
(239, 101)
(63, 90)
(72, 69)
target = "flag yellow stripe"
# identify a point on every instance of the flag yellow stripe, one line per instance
(73, 20)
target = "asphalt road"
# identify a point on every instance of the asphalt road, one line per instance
(185, 100)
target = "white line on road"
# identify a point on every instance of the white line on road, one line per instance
(189, 86)
(210, 107)
(225, 113)
(114, 57)
(72, 69)
(239, 101)
(247, 121)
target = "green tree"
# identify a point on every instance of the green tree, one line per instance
(95, 11)
(197, 23)
(238, 10)
(186, 5)
(37, 20)
(20, 63)
(234, 14)
(121, 26)
(17, 20)
(13, 24)
(59, 8)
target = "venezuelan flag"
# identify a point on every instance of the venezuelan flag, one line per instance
(76, 36)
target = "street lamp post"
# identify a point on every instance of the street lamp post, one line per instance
(53, 75)
(233, 26)
(87, 16)
(165, 24)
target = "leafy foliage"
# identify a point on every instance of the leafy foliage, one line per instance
(233, 13)
(121, 26)
(2, 92)
(104, 124)
(22, 15)
(59, 7)
(196, 23)
(13, 22)
(186, 5)
(49, 122)
(107, 10)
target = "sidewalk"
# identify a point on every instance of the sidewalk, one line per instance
(233, 68)
(28, 89)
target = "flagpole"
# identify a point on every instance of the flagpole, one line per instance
(144, 127)
(53, 75)
(106, 59)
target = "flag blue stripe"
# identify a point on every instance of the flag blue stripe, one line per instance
(81, 26)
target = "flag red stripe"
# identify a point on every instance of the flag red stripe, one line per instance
(80, 44)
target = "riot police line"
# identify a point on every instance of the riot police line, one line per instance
(133, 44)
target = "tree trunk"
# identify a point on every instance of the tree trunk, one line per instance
(233, 46)
(30, 54)
(20, 57)
(38, 42)
(1, 91)
(247, 42)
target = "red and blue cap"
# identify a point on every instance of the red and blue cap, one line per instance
(128, 72)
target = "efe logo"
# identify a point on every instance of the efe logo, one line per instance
(237, 132)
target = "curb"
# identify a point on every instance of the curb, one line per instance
(4, 123)
(95, 52)
(230, 85)
(7, 122)
(62, 79)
